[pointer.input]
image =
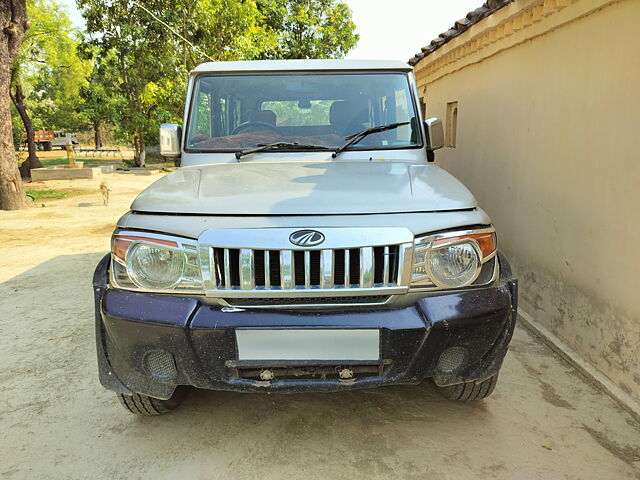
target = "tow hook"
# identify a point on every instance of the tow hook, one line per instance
(267, 375)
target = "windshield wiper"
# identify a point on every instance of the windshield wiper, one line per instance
(356, 137)
(274, 146)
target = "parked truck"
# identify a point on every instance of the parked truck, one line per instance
(49, 139)
(308, 243)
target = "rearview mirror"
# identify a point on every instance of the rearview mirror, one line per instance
(435, 133)
(170, 135)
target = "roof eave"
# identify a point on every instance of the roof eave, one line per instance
(462, 25)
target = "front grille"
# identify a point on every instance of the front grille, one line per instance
(268, 301)
(250, 269)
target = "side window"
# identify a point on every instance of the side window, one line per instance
(396, 108)
(223, 118)
(402, 105)
(202, 124)
(452, 125)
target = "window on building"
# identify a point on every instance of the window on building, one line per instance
(452, 125)
(423, 109)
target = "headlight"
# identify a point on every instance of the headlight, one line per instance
(455, 265)
(155, 268)
(452, 259)
(155, 263)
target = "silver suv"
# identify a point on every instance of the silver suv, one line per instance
(307, 243)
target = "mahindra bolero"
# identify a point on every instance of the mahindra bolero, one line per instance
(306, 243)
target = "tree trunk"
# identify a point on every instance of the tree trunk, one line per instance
(13, 23)
(135, 107)
(97, 134)
(140, 153)
(18, 101)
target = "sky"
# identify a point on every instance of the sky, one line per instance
(395, 33)
(400, 32)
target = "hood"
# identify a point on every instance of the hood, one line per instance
(297, 188)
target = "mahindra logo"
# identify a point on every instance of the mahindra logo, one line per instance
(306, 238)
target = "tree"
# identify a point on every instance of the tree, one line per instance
(100, 102)
(18, 97)
(220, 30)
(122, 40)
(13, 22)
(47, 75)
(309, 28)
(151, 46)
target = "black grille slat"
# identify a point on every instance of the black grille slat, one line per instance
(378, 264)
(298, 267)
(354, 266)
(274, 267)
(258, 256)
(338, 267)
(394, 256)
(315, 268)
(234, 258)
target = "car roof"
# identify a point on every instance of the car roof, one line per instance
(300, 65)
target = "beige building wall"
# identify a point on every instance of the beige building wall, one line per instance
(548, 138)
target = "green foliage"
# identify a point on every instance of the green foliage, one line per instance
(129, 52)
(99, 101)
(17, 127)
(45, 194)
(48, 162)
(309, 28)
(51, 194)
(289, 113)
(221, 30)
(49, 69)
(129, 68)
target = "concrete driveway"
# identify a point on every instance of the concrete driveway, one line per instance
(544, 421)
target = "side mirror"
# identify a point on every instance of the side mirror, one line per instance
(435, 133)
(170, 135)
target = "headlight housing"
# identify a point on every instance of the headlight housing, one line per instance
(454, 259)
(155, 263)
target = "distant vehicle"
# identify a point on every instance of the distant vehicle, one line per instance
(48, 139)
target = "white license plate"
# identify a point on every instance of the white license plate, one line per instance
(308, 344)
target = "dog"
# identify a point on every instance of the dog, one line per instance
(104, 190)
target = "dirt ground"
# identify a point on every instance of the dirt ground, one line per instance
(543, 422)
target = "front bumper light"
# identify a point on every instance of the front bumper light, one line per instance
(452, 259)
(155, 263)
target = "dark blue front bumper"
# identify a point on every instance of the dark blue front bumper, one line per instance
(202, 339)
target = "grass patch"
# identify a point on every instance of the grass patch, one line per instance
(46, 194)
(48, 162)
(51, 194)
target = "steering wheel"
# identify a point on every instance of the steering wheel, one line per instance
(246, 125)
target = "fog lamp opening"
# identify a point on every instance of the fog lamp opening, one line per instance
(452, 359)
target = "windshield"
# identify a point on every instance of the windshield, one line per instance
(232, 112)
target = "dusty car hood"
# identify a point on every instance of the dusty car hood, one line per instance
(299, 188)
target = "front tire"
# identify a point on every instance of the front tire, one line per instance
(144, 405)
(470, 391)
